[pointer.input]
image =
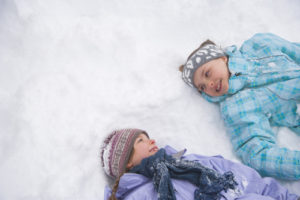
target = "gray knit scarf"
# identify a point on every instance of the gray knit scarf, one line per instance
(161, 167)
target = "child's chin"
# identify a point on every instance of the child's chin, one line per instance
(218, 94)
(224, 91)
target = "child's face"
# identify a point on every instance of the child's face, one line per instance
(143, 147)
(212, 77)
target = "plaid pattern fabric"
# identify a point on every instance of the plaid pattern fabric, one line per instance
(264, 90)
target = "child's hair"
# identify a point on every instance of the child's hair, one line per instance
(115, 188)
(202, 45)
(116, 151)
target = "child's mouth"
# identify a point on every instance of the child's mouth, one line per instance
(155, 148)
(219, 87)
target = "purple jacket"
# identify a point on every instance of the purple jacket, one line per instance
(250, 184)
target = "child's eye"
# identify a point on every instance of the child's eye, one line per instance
(206, 74)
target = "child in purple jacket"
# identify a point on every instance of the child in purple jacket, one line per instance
(143, 171)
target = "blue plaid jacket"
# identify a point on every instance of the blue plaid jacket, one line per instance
(264, 89)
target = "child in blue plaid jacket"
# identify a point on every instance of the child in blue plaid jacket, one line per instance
(257, 87)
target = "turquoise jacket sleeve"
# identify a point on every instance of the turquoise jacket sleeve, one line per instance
(255, 143)
(266, 44)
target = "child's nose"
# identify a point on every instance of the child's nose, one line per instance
(211, 84)
(152, 141)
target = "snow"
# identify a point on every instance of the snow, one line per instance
(71, 71)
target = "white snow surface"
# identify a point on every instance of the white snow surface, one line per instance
(71, 71)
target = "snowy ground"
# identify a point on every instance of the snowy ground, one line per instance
(71, 71)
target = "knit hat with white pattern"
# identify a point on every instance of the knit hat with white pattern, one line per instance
(197, 59)
(116, 150)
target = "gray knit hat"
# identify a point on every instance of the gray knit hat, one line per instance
(197, 59)
(116, 150)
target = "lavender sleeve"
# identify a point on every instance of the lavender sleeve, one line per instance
(250, 183)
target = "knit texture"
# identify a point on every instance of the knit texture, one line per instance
(161, 167)
(116, 150)
(196, 60)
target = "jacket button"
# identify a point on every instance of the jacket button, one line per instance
(268, 115)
